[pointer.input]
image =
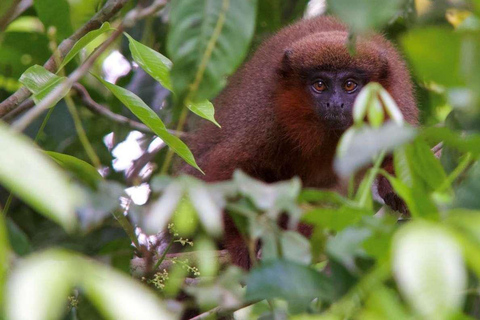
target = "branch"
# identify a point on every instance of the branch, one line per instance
(219, 311)
(17, 8)
(138, 266)
(105, 112)
(107, 12)
(23, 122)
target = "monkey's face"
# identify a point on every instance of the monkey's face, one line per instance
(333, 94)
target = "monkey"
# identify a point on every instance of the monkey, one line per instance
(283, 113)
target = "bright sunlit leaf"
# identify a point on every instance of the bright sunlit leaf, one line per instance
(35, 179)
(429, 270)
(41, 82)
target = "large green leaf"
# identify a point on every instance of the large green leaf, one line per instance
(35, 179)
(425, 164)
(154, 63)
(83, 170)
(151, 120)
(435, 54)
(287, 280)
(335, 219)
(429, 269)
(207, 40)
(55, 13)
(41, 82)
(359, 146)
(83, 42)
(39, 286)
(364, 14)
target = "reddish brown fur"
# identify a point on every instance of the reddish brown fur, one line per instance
(269, 129)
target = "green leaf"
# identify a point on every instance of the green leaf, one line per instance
(162, 209)
(39, 286)
(429, 270)
(358, 148)
(82, 170)
(295, 247)
(118, 296)
(83, 42)
(209, 212)
(203, 109)
(18, 239)
(425, 164)
(435, 54)
(154, 63)
(151, 120)
(35, 179)
(287, 280)
(207, 40)
(460, 141)
(335, 219)
(41, 82)
(348, 245)
(55, 13)
(365, 14)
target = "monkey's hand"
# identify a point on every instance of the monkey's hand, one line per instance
(386, 192)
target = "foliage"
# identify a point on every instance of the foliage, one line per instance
(90, 229)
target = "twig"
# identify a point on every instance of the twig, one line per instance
(107, 12)
(103, 111)
(7, 17)
(138, 266)
(219, 311)
(93, 106)
(141, 13)
(23, 122)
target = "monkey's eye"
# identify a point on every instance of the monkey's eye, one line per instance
(319, 86)
(349, 85)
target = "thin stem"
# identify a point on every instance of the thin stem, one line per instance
(44, 124)
(81, 132)
(372, 174)
(462, 166)
(7, 204)
(164, 254)
(127, 227)
(180, 125)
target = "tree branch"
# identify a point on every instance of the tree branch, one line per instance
(138, 266)
(23, 122)
(15, 10)
(107, 12)
(105, 112)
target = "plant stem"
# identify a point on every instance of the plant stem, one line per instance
(81, 132)
(127, 226)
(180, 125)
(164, 254)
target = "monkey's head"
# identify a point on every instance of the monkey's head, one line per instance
(319, 80)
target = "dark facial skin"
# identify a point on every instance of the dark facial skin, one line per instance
(333, 94)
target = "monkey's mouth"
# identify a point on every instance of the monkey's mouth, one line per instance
(337, 121)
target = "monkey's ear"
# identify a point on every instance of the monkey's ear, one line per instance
(384, 66)
(286, 65)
